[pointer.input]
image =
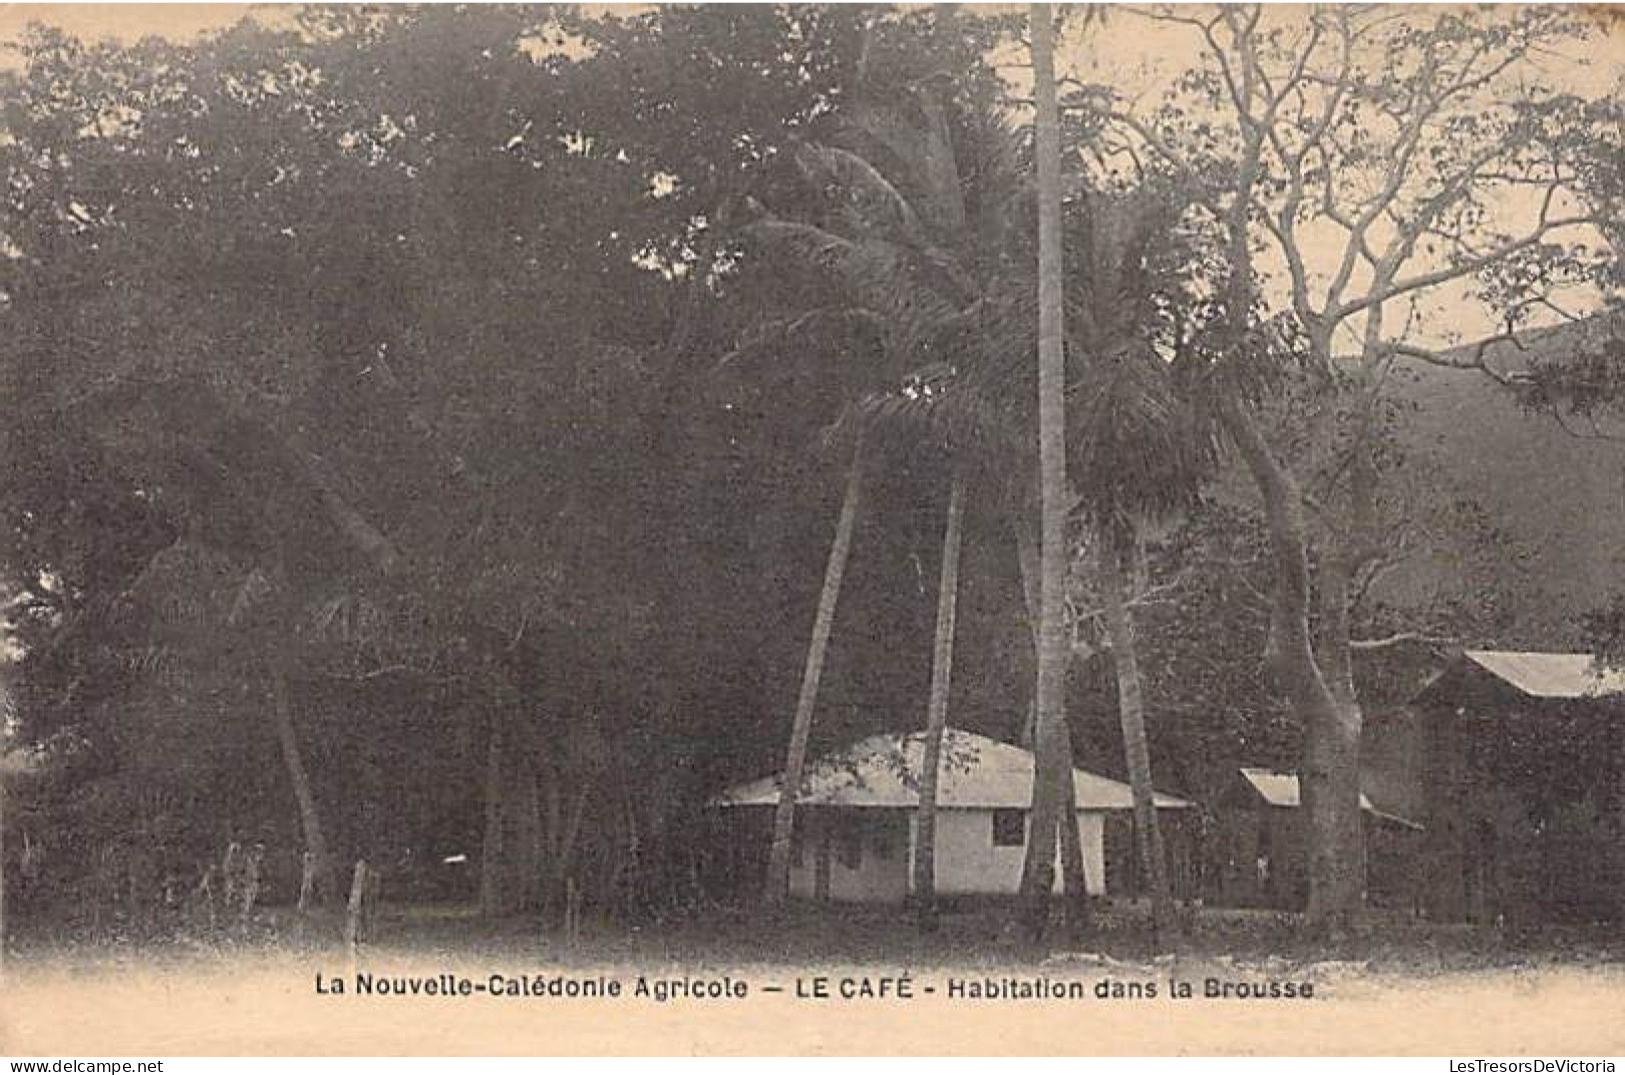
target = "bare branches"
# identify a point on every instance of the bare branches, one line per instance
(1284, 223)
(1476, 360)
(1464, 267)
(1432, 136)
(1165, 150)
(1144, 594)
(1595, 432)
(1399, 638)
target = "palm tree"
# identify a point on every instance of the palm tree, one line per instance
(928, 276)
(784, 816)
(1053, 769)
(936, 713)
(1141, 452)
(939, 282)
(1135, 449)
(204, 607)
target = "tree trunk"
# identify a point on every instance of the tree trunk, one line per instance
(1330, 791)
(777, 890)
(494, 853)
(1329, 773)
(527, 833)
(359, 911)
(1136, 749)
(310, 821)
(3, 775)
(936, 713)
(1027, 564)
(1053, 768)
(1074, 882)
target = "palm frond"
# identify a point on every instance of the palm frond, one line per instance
(915, 137)
(866, 200)
(867, 204)
(878, 276)
(825, 322)
(1137, 454)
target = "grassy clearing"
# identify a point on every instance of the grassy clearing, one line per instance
(972, 936)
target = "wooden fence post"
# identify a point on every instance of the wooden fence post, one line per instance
(250, 893)
(355, 917)
(307, 880)
(572, 911)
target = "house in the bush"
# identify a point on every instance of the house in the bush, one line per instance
(856, 818)
(1259, 854)
(1515, 763)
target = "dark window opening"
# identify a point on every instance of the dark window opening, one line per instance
(849, 847)
(886, 844)
(1009, 828)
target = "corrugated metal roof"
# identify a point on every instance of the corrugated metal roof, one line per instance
(976, 772)
(1550, 675)
(1281, 789)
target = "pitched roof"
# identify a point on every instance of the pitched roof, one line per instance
(1550, 675)
(976, 773)
(1281, 789)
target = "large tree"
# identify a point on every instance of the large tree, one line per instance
(286, 290)
(1422, 152)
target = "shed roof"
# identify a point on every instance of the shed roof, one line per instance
(1550, 675)
(1281, 789)
(976, 773)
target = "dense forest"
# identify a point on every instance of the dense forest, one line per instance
(423, 428)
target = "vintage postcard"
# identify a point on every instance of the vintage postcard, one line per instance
(812, 529)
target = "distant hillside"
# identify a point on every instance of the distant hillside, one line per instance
(1557, 498)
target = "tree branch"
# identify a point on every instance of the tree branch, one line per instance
(1476, 362)
(1453, 272)
(1399, 638)
(1168, 153)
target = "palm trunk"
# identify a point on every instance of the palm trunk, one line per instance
(1074, 882)
(777, 890)
(1053, 768)
(3, 742)
(527, 836)
(1027, 565)
(310, 821)
(1136, 750)
(494, 865)
(936, 713)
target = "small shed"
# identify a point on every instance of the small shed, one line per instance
(1263, 853)
(855, 830)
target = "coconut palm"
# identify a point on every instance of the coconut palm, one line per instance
(1051, 770)
(920, 255)
(936, 275)
(1140, 451)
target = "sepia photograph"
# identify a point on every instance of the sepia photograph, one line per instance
(812, 529)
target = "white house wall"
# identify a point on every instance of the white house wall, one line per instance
(968, 863)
